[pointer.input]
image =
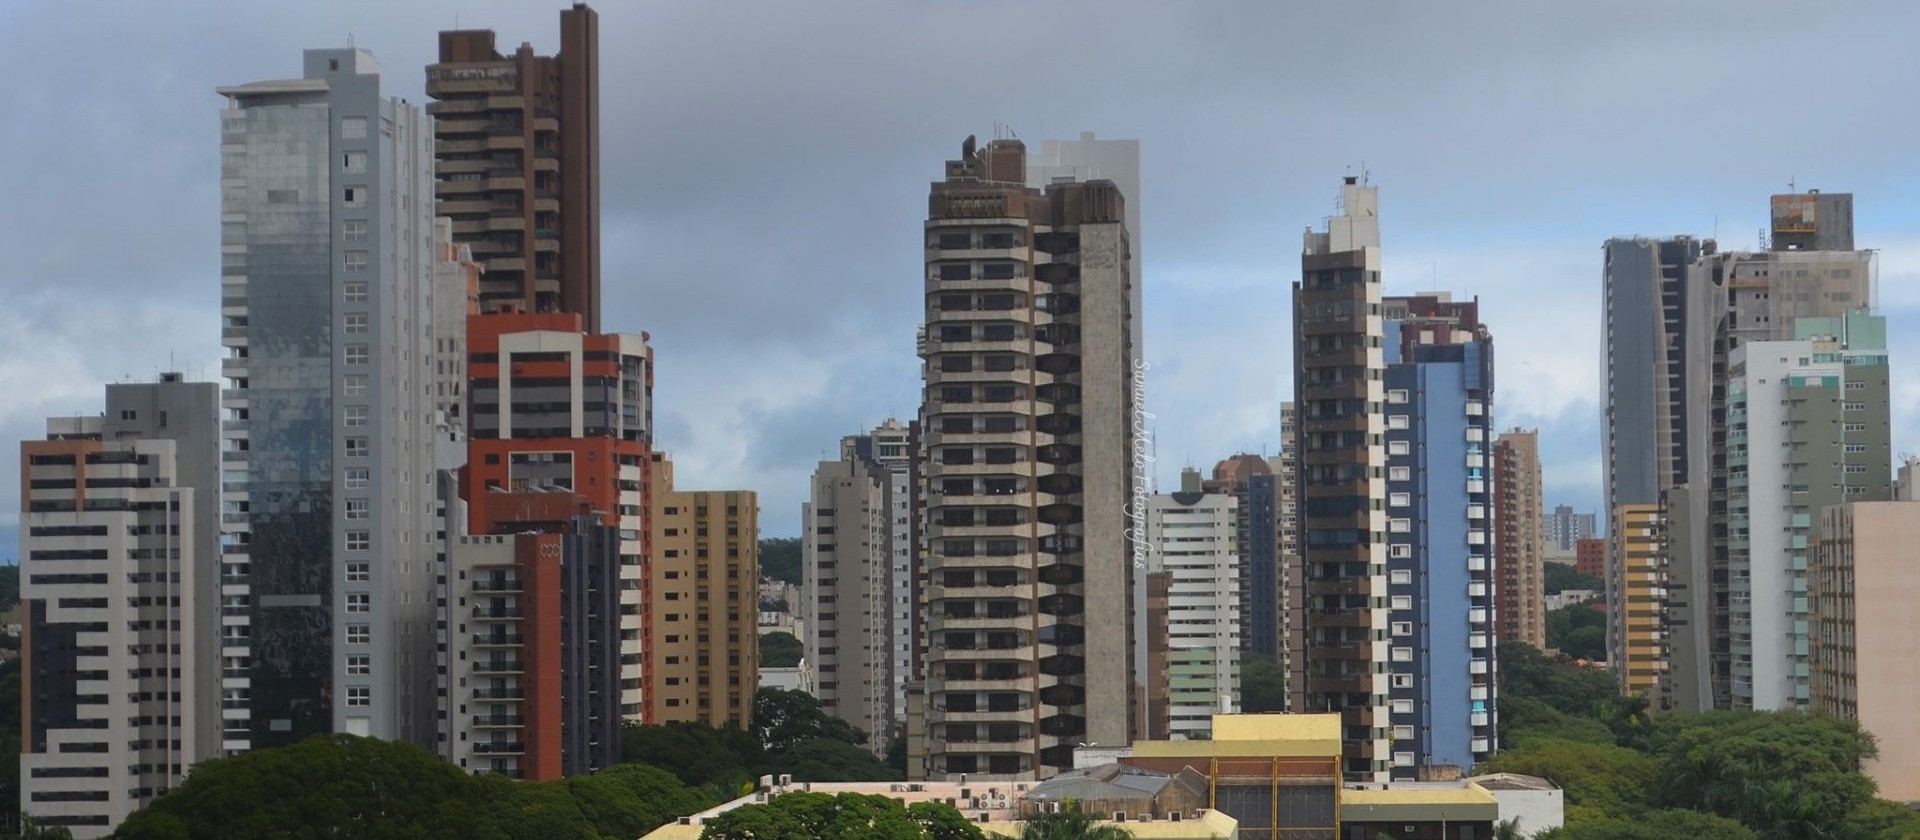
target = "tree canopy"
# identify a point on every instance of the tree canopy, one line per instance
(1578, 630)
(780, 650)
(847, 816)
(780, 559)
(1263, 684)
(1676, 776)
(792, 734)
(1560, 577)
(341, 787)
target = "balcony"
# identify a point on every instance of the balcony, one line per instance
(499, 748)
(498, 639)
(511, 666)
(509, 585)
(498, 721)
(499, 694)
(496, 612)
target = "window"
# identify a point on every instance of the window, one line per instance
(356, 384)
(1853, 406)
(1403, 628)
(1856, 447)
(1853, 427)
(1400, 526)
(1401, 733)
(353, 128)
(359, 634)
(357, 478)
(1403, 759)
(1399, 499)
(355, 323)
(359, 602)
(359, 695)
(1396, 447)
(359, 665)
(356, 509)
(354, 161)
(1403, 654)
(1396, 421)
(1399, 473)
(356, 354)
(354, 291)
(356, 415)
(1402, 602)
(354, 261)
(359, 572)
(1402, 680)
(357, 447)
(1403, 707)
(354, 197)
(1401, 576)
(1397, 396)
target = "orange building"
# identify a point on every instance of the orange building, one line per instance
(548, 598)
(1590, 557)
(704, 652)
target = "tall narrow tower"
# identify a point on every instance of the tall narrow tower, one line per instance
(1031, 417)
(518, 149)
(1339, 372)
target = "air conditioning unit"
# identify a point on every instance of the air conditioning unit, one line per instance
(1143, 818)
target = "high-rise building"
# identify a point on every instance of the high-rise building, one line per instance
(538, 615)
(330, 541)
(1807, 427)
(1286, 481)
(703, 654)
(562, 424)
(1092, 159)
(1441, 606)
(1637, 625)
(1517, 551)
(518, 153)
(1191, 537)
(1564, 529)
(1864, 585)
(1590, 557)
(119, 576)
(1249, 480)
(1647, 334)
(855, 581)
(456, 290)
(1729, 300)
(1339, 391)
(1031, 419)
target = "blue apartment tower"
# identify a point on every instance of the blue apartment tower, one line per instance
(1440, 578)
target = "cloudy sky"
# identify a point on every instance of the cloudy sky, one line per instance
(767, 165)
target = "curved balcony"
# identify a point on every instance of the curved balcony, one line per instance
(1063, 603)
(1057, 334)
(1057, 364)
(1063, 725)
(1060, 484)
(1058, 393)
(1063, 665)
(1058, 453)
(1060, 513)
(1063, 694)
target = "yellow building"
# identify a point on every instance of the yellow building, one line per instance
(703, 645)
(1637, 641)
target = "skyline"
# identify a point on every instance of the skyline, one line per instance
(756, 384)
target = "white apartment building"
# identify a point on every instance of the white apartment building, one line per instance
(1191, 536)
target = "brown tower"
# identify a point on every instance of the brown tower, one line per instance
(517, 148)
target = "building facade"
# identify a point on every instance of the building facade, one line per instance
(1637, 640)
(456, 297)
(1192, 536)
(1518, 557)
(704, 649)
(1249, 479)
(119, 576)
(1029, 418)
(1863, 588)
(535, 617)
(1807, 427)
(1590, 557)
(1565, 529)
(1442, 610)
(328, 438)
(1339, 392)
(518, 154)
(1286, 482)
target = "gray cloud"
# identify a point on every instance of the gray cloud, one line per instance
(766, 170)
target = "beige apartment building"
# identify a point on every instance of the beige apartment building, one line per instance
(1864, 588)
(1031, 419)
(1637, 645)
(703, 652)
(1517, 556)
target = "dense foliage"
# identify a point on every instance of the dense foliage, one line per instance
(1677, 776)
(1263, 684)
(792, 734)
(1560, 577)
(780, 650)
(345, 788)
(1579, 631)
(780, 559)
(847, 816)
(1069, 824)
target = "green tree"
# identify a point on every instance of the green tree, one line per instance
(1656, 825)
(1882, 820)
(780, 559)
(897, 754)
(780, 650)
(1589, 643)
(721, 759)
(1069, 823)
(1602, 779)
(1263, 684)
(1564, 622)
(629, 800)
(1561, 577)
(784, 718)
(1557, 680)
(1783, 774)
(830, 760)
(847, 816)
